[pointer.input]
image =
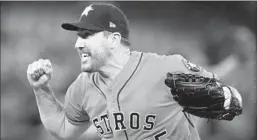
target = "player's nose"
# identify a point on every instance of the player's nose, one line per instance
(80, 43)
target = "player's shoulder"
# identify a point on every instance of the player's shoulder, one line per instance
(78, 87)
(81, 78)
(172, 62)
(163, 57)
(81, 82)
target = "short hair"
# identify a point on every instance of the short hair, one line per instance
(124, 40)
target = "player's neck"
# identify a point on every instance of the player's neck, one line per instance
(114, 66)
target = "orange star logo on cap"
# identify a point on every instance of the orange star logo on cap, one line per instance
(85, 12)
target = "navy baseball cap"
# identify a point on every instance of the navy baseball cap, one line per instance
(101, 17)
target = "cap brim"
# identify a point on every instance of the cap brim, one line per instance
(79, 25)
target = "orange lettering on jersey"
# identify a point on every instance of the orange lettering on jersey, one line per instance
(149, 122)
(134, 120)
(106, 122)
(160, 135)
(119, 121)
(103, 126)
(98, 127)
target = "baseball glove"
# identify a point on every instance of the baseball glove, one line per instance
(203, 97)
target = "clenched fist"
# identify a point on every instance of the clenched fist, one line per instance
(39, 73)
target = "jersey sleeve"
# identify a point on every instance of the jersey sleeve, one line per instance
(74, 109)
(185, 66)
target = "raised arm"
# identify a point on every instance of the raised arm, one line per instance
(53, 114)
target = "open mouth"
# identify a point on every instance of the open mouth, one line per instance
(84, 57)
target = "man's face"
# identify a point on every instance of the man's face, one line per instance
(93, 51)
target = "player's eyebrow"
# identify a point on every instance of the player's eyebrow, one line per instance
(84, 33)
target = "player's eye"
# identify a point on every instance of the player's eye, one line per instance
(85, 33)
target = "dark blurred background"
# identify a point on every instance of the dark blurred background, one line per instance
(219, 36)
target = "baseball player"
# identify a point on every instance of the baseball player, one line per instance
(122, 93)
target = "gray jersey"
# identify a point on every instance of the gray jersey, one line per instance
(137, 105)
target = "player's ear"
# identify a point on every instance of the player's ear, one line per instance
(116, 38)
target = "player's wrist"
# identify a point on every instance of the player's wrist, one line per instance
(46, 88)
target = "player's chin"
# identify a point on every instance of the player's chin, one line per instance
(87, 68)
